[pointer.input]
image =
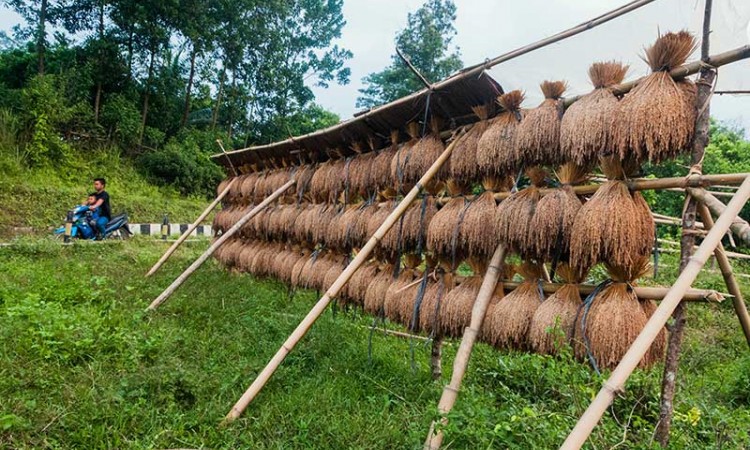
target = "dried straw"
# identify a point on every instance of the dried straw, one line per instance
(515, 214)
(463, 160)
(538, 135)
(508, 321)
(615, 226)
(424, 153)
(586, 127)
(554, 216)
(657, 118)
(455, 315)
(496, 149)
(356, 288)
(402, 161)
(552, 324)
(444, 228)
(478, 232)
(375, 294)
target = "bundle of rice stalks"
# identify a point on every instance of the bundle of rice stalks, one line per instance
(303, 176)
(223, 185)
(538, 135)
(338, 265)
(361, 177)
(284, 221)
(227, 253)
(615, 226)
(316, 268)
(283, 264)
(433, 302)
(245, 256)
(508, 321)
(401, 163)
(358, 233)
(515, 215)
(387, 247)
(320, 217)
(295, 278)
(424, 154)
(586, 127)
(380, 169)
(410, 231)
(659, 347)
(338, 180)
(616, 168)
(554, 215)
(445, 226)
(657, 118)
(340, 229)
(456, 312)
(497, 153)
(375, 293)
(463, 160)
(401, 294)
(609, 324)
(319, 182)
(270, 182)
(236, 193)
(478, 233)
(356, 288)
(552, 324)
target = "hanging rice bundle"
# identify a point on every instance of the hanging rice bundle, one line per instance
(515, 215)
(236, 193)
(538, 134)
(402, 161)
(616, 168)
(508, 321)
(319, 183)
(587, 126)
(381, 166)
(423, 156)
(338, 265)
(337, 181)
(227, 253)
(444, 228)
(375, 294)
(285, 221)
(658, 348)
(358, 234)
(615, 226)
(284, 264)
(496, 149)
(409, 232)
(431, 311)
(321, 216)
(456, 312)
(303, 176)
(610, 321)
(478, 233)
(296, 280)
(657, 118)
(555, 213)
(401, 294)
(463, 160)
(388, 245)
(356, 288)
(340, 229)
(552, 324)
(362, 179)
(221, 220)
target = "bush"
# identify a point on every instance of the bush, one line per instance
(184, 165)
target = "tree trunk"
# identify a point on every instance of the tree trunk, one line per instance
(677, 330)
(98, 96)
(215, 115)
(41, 37)
(231, 107)
(130, 54)
(147, 95)
(186, 111)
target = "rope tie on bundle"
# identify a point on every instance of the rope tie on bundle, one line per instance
(585, 308)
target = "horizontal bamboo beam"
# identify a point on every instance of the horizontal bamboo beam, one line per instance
(643, 292)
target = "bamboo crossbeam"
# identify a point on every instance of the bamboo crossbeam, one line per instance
(332, 292)
(740, 227)
(659, 318)
(223, 238)
(461, 363)
(726, 271)
(192, 227)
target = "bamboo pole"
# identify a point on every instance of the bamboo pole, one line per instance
(461, 363)
(726, 271)
(190, 229)
(322, 304)
(223, 238)
(642, 292)
(633, 356)
(739, 227)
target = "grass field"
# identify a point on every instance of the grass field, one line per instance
(82, 366)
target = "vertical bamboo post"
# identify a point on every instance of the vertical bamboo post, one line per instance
(726, 271)
(461, 363)
(687, 242)
(322, 304)
(436, 355)
(223, 238)
(642, 343)
(190, 229)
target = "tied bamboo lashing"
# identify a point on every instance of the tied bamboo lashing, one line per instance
(611, 318)
(497, 154)
(657, 118)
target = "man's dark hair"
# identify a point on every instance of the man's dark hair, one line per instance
(93, 194)
(101, 180)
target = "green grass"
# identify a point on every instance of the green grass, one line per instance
(82, 366)
(39, 197)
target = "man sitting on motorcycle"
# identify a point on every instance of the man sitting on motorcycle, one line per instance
(102, 204)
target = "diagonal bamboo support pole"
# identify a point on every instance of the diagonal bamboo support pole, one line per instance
(190, 229)
(740, 227)
(461, 363)
(223, 238)
(322, 304)
(726, 271)
(629, 362)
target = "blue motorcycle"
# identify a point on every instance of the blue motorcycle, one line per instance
(83, 226)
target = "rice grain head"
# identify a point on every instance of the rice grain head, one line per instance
(538, 134)
(496, 148)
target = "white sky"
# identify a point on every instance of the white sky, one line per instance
(487, 28)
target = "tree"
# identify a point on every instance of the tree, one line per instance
(426, 42)
(38, 14)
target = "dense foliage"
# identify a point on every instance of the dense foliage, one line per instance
(426, 42)
(162, 80)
